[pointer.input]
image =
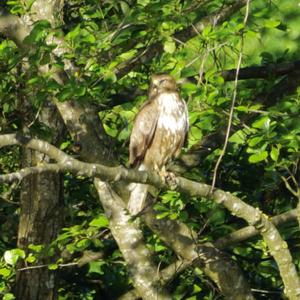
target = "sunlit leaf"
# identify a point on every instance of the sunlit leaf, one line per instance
(100, 221)
(169, 46)
(257, 157)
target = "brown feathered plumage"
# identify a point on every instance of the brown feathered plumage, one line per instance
(159, 132)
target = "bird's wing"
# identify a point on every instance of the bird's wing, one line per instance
(143, 132)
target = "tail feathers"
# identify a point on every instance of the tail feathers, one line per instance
(137, 198)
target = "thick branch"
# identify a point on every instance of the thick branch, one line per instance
(250, 231)
(254, 72)
(272, 70)
(130, 240)
(215, 264)
(221, 243)
(286, 86)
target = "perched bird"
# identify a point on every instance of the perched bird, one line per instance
(159, 132)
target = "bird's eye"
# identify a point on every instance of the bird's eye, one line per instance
(162, 81)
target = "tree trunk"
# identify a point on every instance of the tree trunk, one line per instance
(41, 217)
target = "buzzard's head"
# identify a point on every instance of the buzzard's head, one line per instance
(162, 84)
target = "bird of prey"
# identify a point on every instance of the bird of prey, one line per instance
(159, 132)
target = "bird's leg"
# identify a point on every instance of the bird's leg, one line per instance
(168, 178)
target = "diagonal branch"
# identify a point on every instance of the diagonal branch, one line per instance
(221, 243)
(144, 273)
(211, 20)
(249, 232)
(267, 71)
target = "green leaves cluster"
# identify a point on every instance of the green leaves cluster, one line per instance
(101, 39)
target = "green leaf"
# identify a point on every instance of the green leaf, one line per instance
(173, 216)
(193, 116)
(143, 2)
(159, 247)
(162, 215)
(191, 298)
(96, 267)
(33, 80)
(36, 248)
(83, 244)
(12, 256)
(195, 135)
(31, 259)
(254, 141)
(9, 296)
(188, 72)
(65, 94)
(269, 23)
(238, 138)
(64, 145)
(125, 7)
(4, 272)
(80, 91)
(242, 108)
(71, 248)
(257, 157)
(169, 46)
(196, 289)
(100, 222)
(189, 88)
(274, 153)
(39, 32)
(218, 216)
(109, 76)
(128, 55)
(6, 108)
(53, 266)
(262, 123)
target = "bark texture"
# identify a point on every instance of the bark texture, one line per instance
(41, 204)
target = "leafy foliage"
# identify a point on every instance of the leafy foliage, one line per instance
(102, 38)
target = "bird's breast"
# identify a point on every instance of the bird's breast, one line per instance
(172, 113)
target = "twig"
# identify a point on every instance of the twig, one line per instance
(288, 186)
(232, 104)
(45, 266)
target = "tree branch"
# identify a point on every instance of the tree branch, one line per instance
(221, 243)
(250, 231)
(145, 277)
(236, 206)
(267, 71)
(214, 263)
(288, 84)
(211, 20)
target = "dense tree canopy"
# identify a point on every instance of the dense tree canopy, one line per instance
(73, 75)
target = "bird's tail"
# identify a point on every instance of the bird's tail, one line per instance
(137, 199)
